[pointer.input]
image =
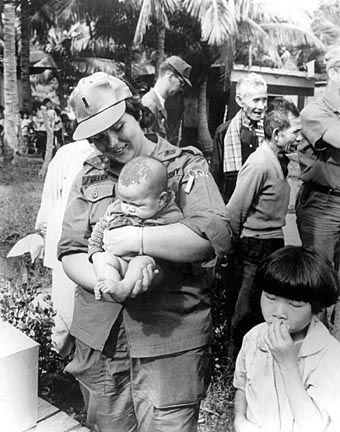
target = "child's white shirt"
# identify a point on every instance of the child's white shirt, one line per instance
(257, 374)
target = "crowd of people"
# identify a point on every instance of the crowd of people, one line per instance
(144, 225)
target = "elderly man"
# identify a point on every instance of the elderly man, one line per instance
(318, 201)
(257, 210)
(236, 139)
(173, 75)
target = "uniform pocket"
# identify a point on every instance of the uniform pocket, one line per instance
(179, 379)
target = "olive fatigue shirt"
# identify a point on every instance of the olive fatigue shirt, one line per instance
(174, 316)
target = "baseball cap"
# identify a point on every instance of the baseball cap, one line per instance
(181, 67)
(332, 57)
(98, 102)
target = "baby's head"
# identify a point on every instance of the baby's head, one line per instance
(143, 187)
(296, 283)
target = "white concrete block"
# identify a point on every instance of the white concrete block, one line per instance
(18, 380)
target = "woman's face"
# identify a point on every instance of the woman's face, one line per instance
(122, 141)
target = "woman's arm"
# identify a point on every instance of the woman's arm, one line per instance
(78, 268)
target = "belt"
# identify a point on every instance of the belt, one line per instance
(325, 189)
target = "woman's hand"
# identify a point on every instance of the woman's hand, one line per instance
(125, 241)
(143, 285)
(36, 246)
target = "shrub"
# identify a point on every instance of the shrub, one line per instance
(26, 304)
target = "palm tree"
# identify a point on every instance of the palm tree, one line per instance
(11, 100)
(261, 25)
(26, 95)
(155, 11)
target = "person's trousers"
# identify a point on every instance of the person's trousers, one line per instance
(318, 221)
(156, 394)
(247, 313)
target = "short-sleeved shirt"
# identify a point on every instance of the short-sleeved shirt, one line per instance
(175, 316)
(319, 161)
(258, 375)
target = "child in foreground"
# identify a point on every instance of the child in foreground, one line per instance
(143, 200)
(287, 374)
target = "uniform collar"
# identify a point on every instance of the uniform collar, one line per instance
(160, 98)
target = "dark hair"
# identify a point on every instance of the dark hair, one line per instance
(300, 274)
(140, 112)
(276, 116)
(45, 101)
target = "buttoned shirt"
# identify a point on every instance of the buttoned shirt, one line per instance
(258, 375)
(175, 316)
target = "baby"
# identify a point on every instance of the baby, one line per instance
(287, 374)
(143, 200)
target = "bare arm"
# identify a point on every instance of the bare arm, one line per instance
(85, 278)
(176, 242)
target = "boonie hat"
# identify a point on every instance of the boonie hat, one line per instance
(332, 57)
(98, 102)
(181, 67)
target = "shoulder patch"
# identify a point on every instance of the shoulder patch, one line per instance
(173, 173)
(91, 179)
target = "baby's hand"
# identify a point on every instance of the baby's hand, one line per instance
(280, 343)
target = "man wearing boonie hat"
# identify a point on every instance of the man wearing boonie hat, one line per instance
(142, 364)
(318, 201)
(173, 75)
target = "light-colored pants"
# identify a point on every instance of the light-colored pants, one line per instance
(63, 303)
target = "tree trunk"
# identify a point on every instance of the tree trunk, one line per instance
(12, 120)
(160, 47)
(25, 57)
(205, 142)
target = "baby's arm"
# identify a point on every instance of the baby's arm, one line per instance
(241, 423)
(305, 412)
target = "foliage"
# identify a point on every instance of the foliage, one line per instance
(24, 305)
(20, 195)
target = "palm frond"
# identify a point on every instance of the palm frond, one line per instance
(217, 18)
(153, 9)
(144, 20)
(291, 36)
(89, 65)
(326, 31)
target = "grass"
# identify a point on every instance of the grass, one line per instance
(20, 194)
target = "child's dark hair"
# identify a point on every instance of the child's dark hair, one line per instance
(300, 274)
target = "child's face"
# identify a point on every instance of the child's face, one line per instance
(296, 314)
(140, 201)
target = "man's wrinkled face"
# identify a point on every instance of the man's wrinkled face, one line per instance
(289, 138)
(253, 101)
